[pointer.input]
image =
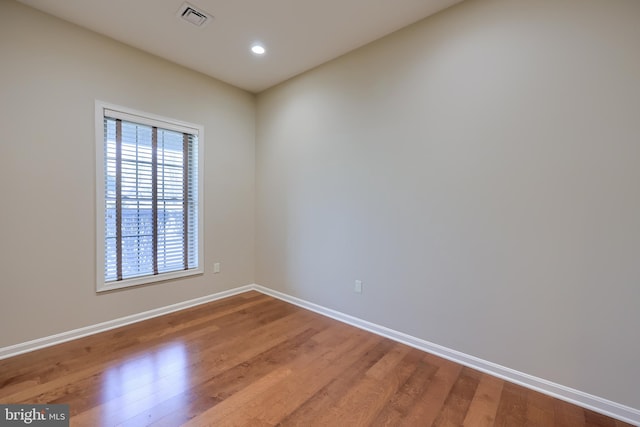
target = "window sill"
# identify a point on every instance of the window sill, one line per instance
(146, 280)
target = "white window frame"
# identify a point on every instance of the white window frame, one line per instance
(154, 120)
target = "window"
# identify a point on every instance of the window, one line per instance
(148, 182)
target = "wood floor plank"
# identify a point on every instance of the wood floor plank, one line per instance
(409, 394)
(89, 378)
(230, 410)
(568, 415)
(290, 394)
(212, 362)
(331, 394)
(311, 370)
(593, 419)
(512, 410)
(370, 393)
(233, 380)
(436, 393)
(484, 403)
(540, 410)
(457, 404)
(252, 360)
(59, 361)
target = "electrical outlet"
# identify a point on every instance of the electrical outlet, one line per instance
(216, 267)
(357, 287)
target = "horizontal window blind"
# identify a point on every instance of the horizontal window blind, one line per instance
(151, 198)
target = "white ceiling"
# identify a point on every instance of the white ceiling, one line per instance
(298, 34)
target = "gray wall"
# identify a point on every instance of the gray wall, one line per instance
(51, 73)
(479, 172)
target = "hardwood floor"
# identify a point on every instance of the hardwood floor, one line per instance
(251, 360)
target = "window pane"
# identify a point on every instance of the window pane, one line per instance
(151, 200)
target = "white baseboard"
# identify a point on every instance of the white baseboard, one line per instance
(39, 343)
(585, 400)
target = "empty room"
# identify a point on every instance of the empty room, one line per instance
(320, 213)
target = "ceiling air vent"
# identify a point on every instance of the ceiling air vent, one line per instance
(193, 15)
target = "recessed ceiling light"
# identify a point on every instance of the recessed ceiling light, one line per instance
(258, 49)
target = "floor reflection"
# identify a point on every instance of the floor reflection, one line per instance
(134, 390)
